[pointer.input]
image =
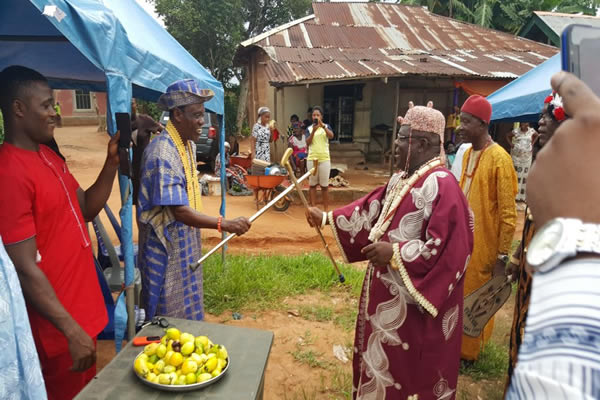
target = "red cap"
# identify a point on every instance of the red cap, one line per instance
(479, 107)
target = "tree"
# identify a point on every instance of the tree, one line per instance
(519, 13)
(211, 30)
(505, 15)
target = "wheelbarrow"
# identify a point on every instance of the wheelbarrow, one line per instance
(266, 187)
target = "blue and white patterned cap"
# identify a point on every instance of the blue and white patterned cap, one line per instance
(183, 93)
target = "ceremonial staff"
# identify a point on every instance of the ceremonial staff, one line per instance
(285, 161)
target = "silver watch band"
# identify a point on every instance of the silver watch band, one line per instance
(588, 239)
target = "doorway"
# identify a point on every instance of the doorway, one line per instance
(338, 109)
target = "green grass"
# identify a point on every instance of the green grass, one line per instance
(344, 317)
(310, 358)
(317, 313)
(261, 282)
(492, 363)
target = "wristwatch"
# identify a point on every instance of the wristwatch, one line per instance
(560, 239)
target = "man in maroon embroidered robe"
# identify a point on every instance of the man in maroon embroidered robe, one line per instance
(417, 234)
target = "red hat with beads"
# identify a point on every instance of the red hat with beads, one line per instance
(479, 107)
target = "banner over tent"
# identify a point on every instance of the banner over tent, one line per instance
(522, 99)
(104, 45)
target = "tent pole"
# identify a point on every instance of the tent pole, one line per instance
(223, 180)
(394, 129)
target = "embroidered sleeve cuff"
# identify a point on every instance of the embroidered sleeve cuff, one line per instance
(398, 265)
(335, 235)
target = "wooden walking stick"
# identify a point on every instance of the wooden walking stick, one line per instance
(285, 161)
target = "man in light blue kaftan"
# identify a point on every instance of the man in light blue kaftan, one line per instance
(169, 216)
(20, 372)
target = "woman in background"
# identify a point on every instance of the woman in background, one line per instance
(262, 136)
(521, 142)
(318, 157)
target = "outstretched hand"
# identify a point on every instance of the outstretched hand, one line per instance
(380, 254)
(239, 226)
(314, 216)
(112, 154)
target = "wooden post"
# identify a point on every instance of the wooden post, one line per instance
(395, 129)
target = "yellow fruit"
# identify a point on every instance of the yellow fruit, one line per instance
(180, 380)
(168, 356)
(186, 337)
(170, 345)
(176, 359)
(159, 366)
(211, 364)
(153, 359)
(188, 348)
(151, 376)
(190, 379)
(203, 377)
(161, 350)
(201, 341)
(150, 349)
(173, 333)
(189, 366)
(223, 353)
(211, 355)
(155, 379)
(143, 356)
(164, 379)
(196, 358)
(168, 369)
(150, 366)
(163, 340)
(141, 367)
(221, 363)
(214, 349)
(216, 372)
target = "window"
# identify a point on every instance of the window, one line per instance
(83, 100)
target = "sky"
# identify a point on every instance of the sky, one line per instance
(150, 8)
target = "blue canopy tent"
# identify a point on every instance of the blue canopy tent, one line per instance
(522, 99)
(112, 46)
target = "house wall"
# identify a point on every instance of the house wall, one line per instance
(417, 90)
(71, 116)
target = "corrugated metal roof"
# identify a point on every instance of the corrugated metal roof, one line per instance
(558, 21)
(354, 40)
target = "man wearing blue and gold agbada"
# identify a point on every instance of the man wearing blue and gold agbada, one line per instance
(170, 209)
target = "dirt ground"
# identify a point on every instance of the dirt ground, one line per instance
(295, 337)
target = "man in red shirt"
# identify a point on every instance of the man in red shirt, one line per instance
(43, 212)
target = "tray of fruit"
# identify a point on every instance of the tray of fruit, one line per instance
(181, 362)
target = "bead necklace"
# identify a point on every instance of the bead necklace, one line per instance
(472, 174)
(397, 194)
(191, 174)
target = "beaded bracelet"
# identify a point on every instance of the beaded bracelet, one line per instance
(219, 221)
